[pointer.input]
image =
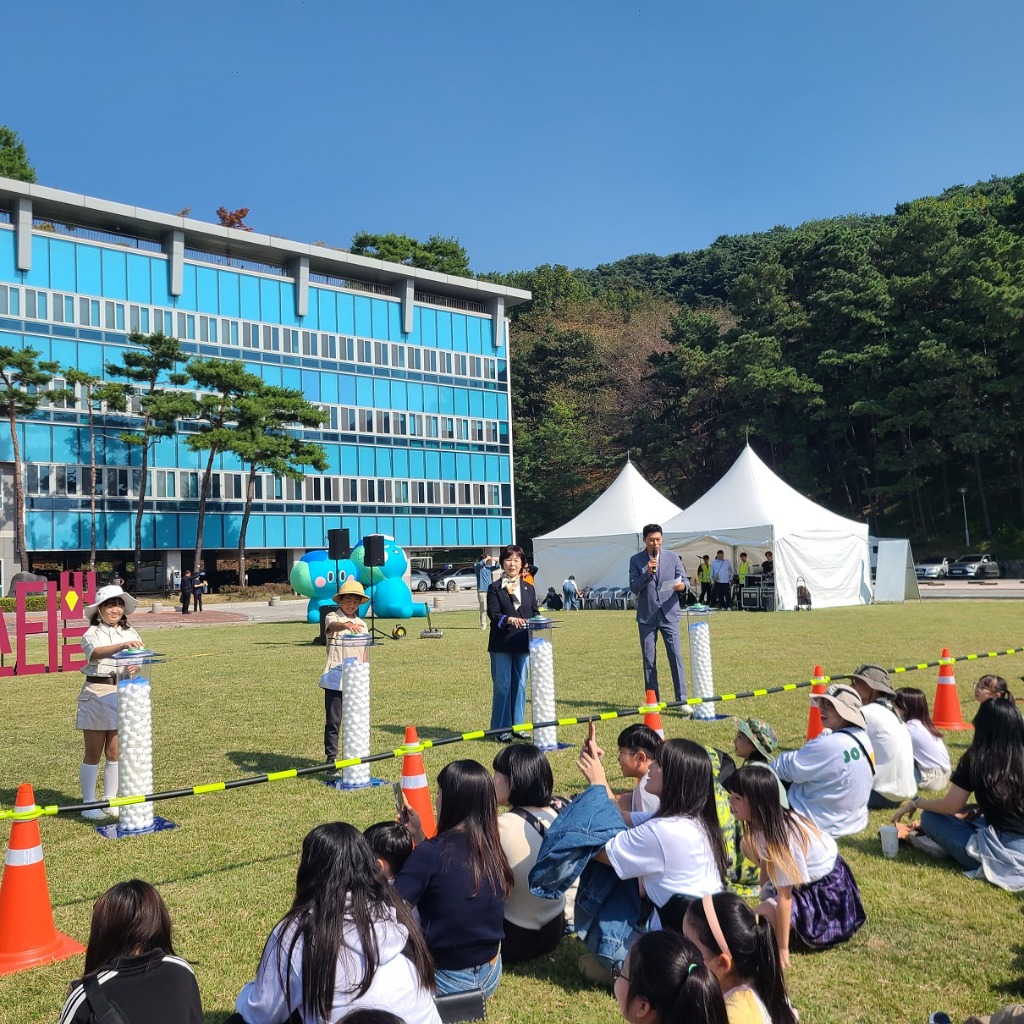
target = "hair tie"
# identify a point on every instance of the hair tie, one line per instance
(691, 969)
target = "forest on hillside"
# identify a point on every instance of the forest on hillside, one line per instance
(876, 363)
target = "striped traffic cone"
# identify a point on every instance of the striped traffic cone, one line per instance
(946, 712)
(414, 783)
(652, 716)
(814, 715)
(28, 937)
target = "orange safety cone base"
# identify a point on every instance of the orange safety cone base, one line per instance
(28, 937)
(60, 948)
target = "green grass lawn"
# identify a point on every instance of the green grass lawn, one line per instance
(238, 700)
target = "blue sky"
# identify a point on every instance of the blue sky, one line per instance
(574, 132)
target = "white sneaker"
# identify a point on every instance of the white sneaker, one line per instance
(94, 814)
(113, 812)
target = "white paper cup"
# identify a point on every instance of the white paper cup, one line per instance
(890, 837)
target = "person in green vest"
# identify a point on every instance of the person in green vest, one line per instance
(704, 578)
(741, 579)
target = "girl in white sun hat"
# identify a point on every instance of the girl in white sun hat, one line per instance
(108, 635)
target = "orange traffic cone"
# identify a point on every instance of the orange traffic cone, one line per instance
(814, 715)
(946, 712)
(27, 934)
(414, 784)
(652, 716)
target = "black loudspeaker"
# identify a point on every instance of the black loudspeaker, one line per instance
(750, 598)
(338, 545)
(373, 550)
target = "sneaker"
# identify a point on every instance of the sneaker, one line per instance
(597, 969)
(686, 711)
(505, 737)
(113, 812)
(94, 814)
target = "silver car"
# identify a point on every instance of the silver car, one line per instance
(932, 568)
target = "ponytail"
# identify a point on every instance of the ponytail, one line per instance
(750, 942)
(668, 971)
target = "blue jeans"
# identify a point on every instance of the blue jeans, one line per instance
(952, 834)
(485, 977)
(508, 674)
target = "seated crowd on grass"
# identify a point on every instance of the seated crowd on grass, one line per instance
(688, 892)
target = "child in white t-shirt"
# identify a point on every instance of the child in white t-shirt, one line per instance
(807, 888)
(931, 758)
(638, 750)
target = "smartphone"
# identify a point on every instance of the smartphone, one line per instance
(396, 788)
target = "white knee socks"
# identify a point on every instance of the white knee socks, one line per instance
(110, 780)
(87, 775)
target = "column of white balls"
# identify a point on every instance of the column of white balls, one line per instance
(355, 707)
(135, 743)
(542, 683)
(701, 673)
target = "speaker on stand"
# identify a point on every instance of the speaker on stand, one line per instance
(338, 547)
(373, 558)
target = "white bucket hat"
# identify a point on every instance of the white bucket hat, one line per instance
(108, 593)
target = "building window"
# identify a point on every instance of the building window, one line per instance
(208, 328)
(250, 335)
(364, 350)
(348, 349)
(447, 427)
(383, 422)
(347, 419)
(291, 339)
(415, 358)
(271, 338)
(309, 343)
(398, 355)
(35, 304)
(10, 300)
(380, 354)
(229, 332)
(366, 421)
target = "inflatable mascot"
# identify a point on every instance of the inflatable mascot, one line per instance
(313, 576)
(389, 592)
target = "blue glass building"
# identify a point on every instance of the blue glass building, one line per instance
(410, 366)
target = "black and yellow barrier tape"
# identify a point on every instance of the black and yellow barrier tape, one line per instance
(415, 748)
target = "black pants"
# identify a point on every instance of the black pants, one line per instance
(723, 598)
(522, 944)
(705, 592)
(332, 714)
(186, 597)
(197, 600)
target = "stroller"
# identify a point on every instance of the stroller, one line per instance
(803, 595)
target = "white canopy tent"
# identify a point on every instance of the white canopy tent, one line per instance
(750, 509)
(597, 545)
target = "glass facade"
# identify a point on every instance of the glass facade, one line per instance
(417, 432)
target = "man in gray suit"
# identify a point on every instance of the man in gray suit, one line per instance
(657, 577)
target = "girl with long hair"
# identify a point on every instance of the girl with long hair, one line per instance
(992, 768)
(459, 880)
(806, 886)
(931, 758)
(740, 949)
(524, 783)
(346, 943)
(130, 963)
(664, 980)
(677, 852)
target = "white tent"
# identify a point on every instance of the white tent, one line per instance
(750, 509)
(597, 545)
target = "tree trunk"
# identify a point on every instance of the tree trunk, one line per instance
(19, 493)
(204, 492)
(92, 486)
(141, 506)
(985, 521)
(250, 491)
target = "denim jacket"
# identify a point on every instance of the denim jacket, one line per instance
(607, 907)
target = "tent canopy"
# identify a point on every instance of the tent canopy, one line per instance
(752, 509)
(596, 546)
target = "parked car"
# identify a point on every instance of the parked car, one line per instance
(456, 579)
(932, 568)
(419, 580)
(975, 566)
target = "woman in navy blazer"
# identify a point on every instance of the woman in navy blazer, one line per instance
(510, 602)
